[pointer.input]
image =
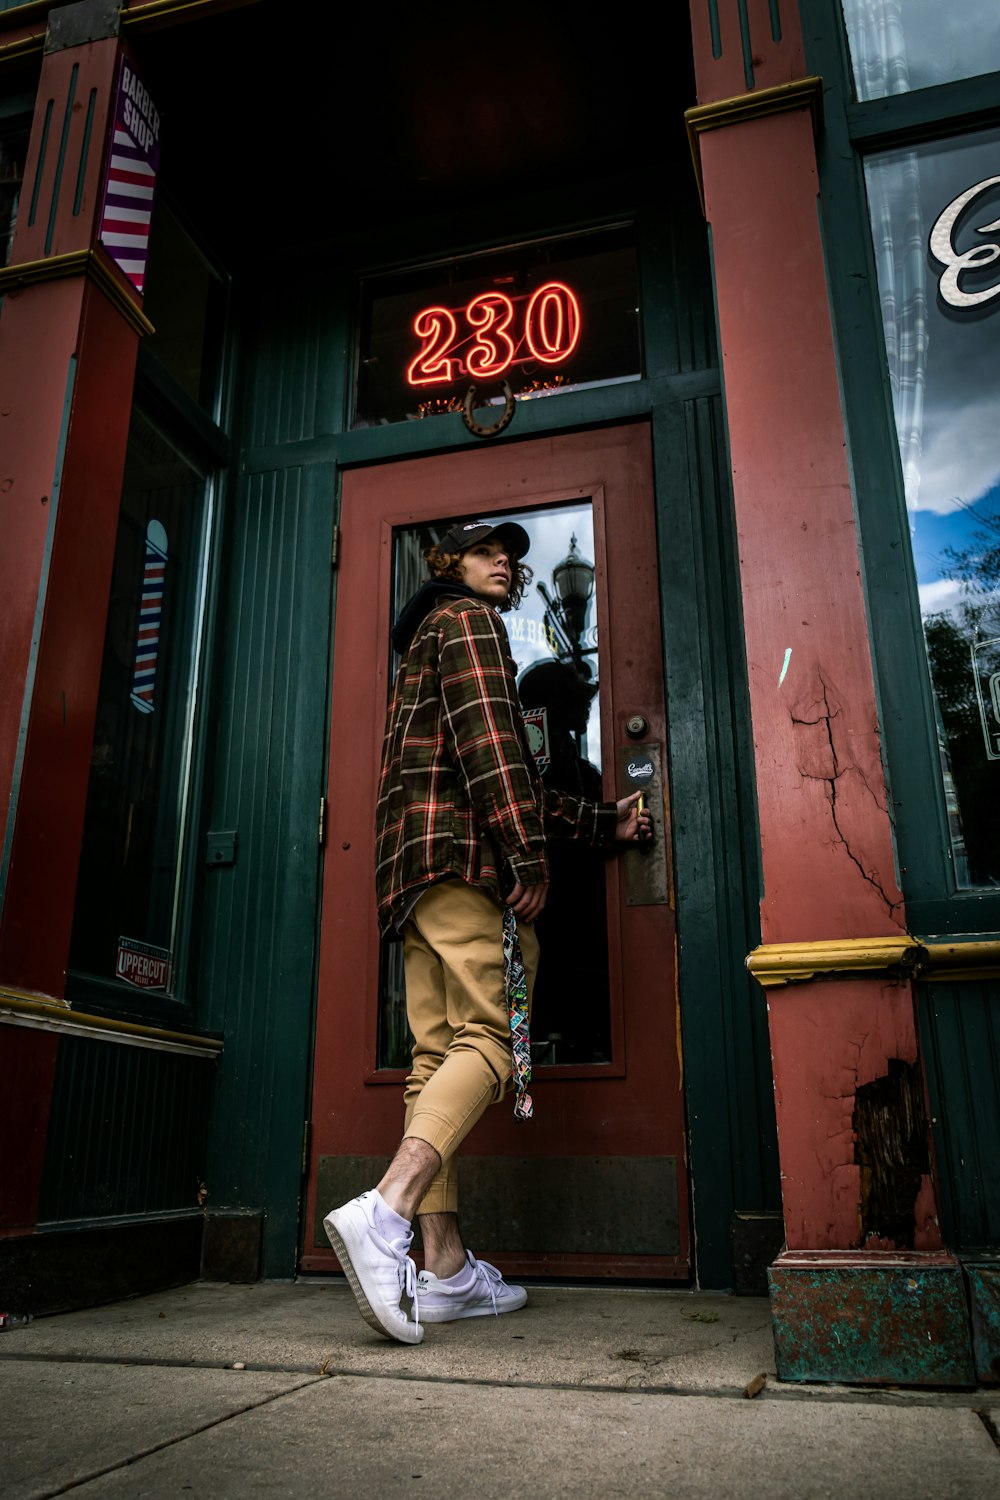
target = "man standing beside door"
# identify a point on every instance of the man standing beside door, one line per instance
(462, 821)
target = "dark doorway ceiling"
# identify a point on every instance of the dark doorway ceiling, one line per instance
(284, 121)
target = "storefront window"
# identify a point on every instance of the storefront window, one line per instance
(129, 886)
(13, 153)
(186, 302)
(899, 45)
(553, 638)
(548, 318)
(935, 215)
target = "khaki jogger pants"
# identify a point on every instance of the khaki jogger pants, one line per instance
(457, 1010)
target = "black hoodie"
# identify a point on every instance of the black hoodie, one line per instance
(421, 604)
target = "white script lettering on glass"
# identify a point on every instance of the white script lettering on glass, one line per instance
(955, 261)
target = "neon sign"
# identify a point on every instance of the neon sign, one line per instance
(490, 334)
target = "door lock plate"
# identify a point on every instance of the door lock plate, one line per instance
(647, 873)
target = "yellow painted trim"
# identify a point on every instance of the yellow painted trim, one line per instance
(57, 1015)
(169, 10)
(92, 263)
(786, 963)
(801, 93)
(789, 963)
(150, 13)
(52, 267)
(23, 46)
(954, 961)
(6, 993)
(99, 271)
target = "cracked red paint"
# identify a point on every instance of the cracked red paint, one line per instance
(827, 1040)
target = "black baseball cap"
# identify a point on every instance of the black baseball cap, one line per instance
(467, 533)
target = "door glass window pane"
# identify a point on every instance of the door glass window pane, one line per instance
(898, 45)
(935, 213)
(127, 893)
(553, 638)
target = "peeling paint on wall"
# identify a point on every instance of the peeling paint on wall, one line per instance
(891, 1148)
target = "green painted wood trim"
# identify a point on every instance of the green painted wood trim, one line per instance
(746, 46)
(36, 186)
(61, 158)
(615, 403)
(81, 171)
(732, 1148)
(964, 105)
(260, 916)
(716, 30)
(126, 1132)
(906, 715)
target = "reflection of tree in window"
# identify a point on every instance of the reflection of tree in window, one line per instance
(952, 640)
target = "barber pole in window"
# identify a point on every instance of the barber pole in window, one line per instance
(133, 162)
(150, 612)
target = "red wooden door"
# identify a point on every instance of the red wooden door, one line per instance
(595, 1184)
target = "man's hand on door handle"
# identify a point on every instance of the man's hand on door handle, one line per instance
(635, 822)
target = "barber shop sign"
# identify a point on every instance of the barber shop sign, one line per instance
(130, 178)
(958, 263)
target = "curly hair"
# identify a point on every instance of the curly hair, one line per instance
(446, 565)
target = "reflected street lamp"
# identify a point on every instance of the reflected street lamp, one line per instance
(566, 614)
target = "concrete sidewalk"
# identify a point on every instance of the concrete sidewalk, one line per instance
(283, 1390)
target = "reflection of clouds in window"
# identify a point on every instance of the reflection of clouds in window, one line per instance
(940, 597)
(532, 638)
(942, 359)
(941, 332)
(898, 45)
(550, 532)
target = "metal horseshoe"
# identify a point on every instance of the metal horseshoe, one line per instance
(492, 429)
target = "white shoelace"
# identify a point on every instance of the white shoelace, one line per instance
(490, 1276)
(410, 1285)
(408, 1269)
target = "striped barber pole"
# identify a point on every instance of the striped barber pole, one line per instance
(150, 611)
(130, 181)
(128, 206)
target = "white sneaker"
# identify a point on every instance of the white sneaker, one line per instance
(379, 1270)
(487, 1293)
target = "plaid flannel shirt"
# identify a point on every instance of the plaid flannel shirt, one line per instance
(459, 793)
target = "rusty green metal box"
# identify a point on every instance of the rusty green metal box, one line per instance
(871, 1319)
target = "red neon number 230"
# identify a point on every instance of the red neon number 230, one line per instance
(552, 323)
(493, 348)
(550, 334)
(437, 327)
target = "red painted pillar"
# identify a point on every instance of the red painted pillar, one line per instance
(67, 364)
(69, 329)
(826, 836)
